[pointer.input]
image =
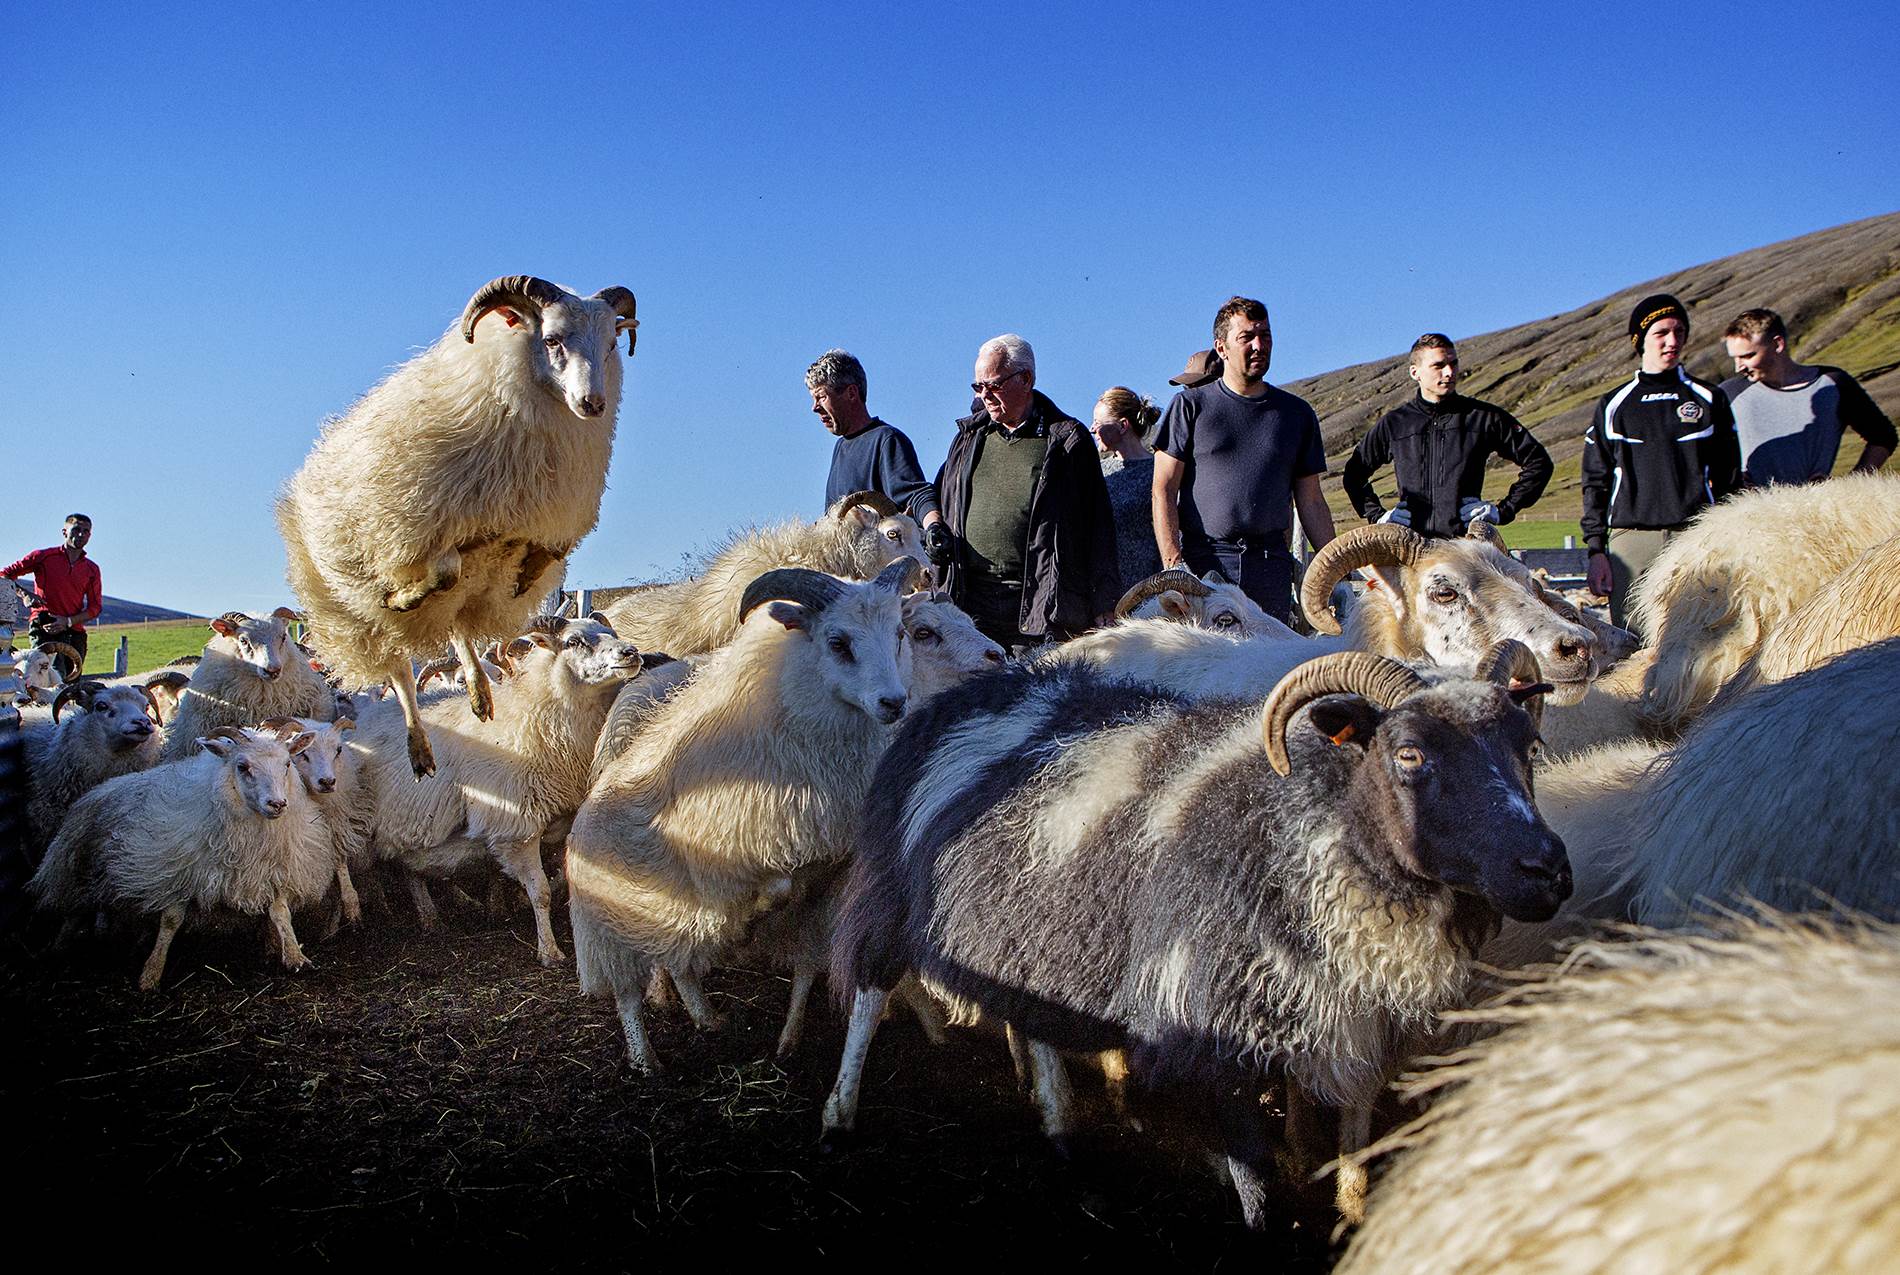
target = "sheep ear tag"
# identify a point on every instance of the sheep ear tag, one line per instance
(1343, 734)
(509, 316)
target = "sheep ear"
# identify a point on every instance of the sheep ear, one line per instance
(223, 627)
(540, 639)
(302, 742)
(345, 723)
(867, 517)
(1173, 604)
(1345, 720)
(508, 316)
(790, 614)
(1391, 579)
(216, 746)
(600, 617)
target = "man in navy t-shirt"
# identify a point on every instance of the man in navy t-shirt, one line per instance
(869, 454)
(1232, 458)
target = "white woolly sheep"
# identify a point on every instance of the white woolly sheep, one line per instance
(435, 509)
(855, 539)
(250, 670)
(1208, 603)
(1679, 1103)
(228, 829)
(39, 674)
(331, 774)
(1858, 607)
(500, 783)
(1740, 570)
(751, 769)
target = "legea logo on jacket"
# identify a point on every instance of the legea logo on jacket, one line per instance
(1690, 412)
(1669, 396)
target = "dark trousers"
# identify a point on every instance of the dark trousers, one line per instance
(1260, 565)
(75, 638)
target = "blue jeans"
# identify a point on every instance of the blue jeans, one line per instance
(1260, 565)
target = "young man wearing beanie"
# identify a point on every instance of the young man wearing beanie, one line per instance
(1661, 448)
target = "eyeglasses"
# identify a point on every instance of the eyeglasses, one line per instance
(987, 388)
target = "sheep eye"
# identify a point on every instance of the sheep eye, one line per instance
(244, 767)
(925, 633)
(1409, 757)
(1226, 620)
(1443, 595)
(552, 342)
(840, 646)
(576, 643)
(890, 535)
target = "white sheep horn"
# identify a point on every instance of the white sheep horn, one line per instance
(522, 290)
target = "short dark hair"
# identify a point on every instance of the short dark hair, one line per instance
(1246, 307)
(73, 518)
(1433, 341)
(1758, 325)
(836, 369)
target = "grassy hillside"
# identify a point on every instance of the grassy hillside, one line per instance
(147, 645)
(1838, 289)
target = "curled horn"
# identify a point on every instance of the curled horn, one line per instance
(813, 590)
(621, 302)
(229, 732)
(1383, 681)
(521, 290)
(1160, 582)
(151, 702)
(282, 727)
(60, 648)
(1364, 547)
(82, 690)
(1513, 666)
(235, 619)
(171, 679)
(548, 624)
(440, 666)
(897, 575)
(879, 503)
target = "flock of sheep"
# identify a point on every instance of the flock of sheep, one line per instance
(1216, 857)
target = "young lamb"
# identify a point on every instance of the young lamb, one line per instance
(112, 731)
(40, 676)
(1237, 895)
(500, 783)
(250, 670)
(226, 830)
(434, 511)
(751, 769)
(331, 773)
(1669, 1102)
(855, 539)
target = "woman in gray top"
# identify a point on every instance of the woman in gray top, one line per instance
(1123, 424)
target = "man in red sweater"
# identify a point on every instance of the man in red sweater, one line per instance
(66, 592)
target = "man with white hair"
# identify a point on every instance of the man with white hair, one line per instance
(1025, 541)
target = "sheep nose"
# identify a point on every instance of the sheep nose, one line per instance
(276, 805)
(593, 405)
(326, 785)
(1552, 873)
(1570, 652)
(272, 674)
(890, 707)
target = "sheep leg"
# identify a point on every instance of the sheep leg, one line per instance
(804, 978)
(693, 996)
(522, 861)
(421, 756)
(1349, 1183)
(294, 959)
(633, 1025)
(425, 903)
(841, 1106)
(168, 922)
(923, 1009)
(1054, 1097)
(1019, 1057)
(346, 893)
(481, 697)
(536, 560)
(1115, 1084)
(1244, 1140)
(440, 573)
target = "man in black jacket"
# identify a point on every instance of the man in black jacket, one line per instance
(1437, 444)
(1661, 449)
(1026, 540)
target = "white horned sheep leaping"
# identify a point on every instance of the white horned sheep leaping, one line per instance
(435, 509)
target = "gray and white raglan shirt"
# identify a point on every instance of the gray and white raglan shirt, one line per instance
(1660, 449)
(1793, 435)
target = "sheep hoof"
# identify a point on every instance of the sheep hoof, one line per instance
(421, 756)
(148, 982)
(481, 700)
(552, 955)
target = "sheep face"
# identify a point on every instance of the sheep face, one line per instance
(859, 647)
(574, 356)
(945, 645)
(258, 766)
(1444, 786)
(264, 646)
(317, 765)
(589, 652)
(37, 674)
(119, 716)
(1466, 595)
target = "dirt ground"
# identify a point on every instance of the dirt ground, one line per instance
(441, 1094)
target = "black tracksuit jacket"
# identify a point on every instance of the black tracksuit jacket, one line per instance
(1661, 448)
(1438, 452)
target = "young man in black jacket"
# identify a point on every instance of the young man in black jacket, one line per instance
(1661, 449)
(1437, 444)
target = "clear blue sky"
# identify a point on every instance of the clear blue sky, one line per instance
(223, 224)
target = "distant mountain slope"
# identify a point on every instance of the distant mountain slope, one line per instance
(1838, 289)
(119, 611)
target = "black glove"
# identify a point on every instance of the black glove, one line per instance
(937, 544)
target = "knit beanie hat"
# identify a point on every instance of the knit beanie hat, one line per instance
(1651, 310)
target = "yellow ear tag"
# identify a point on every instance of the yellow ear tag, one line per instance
(1346, 732)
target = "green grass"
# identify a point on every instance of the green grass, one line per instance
(147, 645)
